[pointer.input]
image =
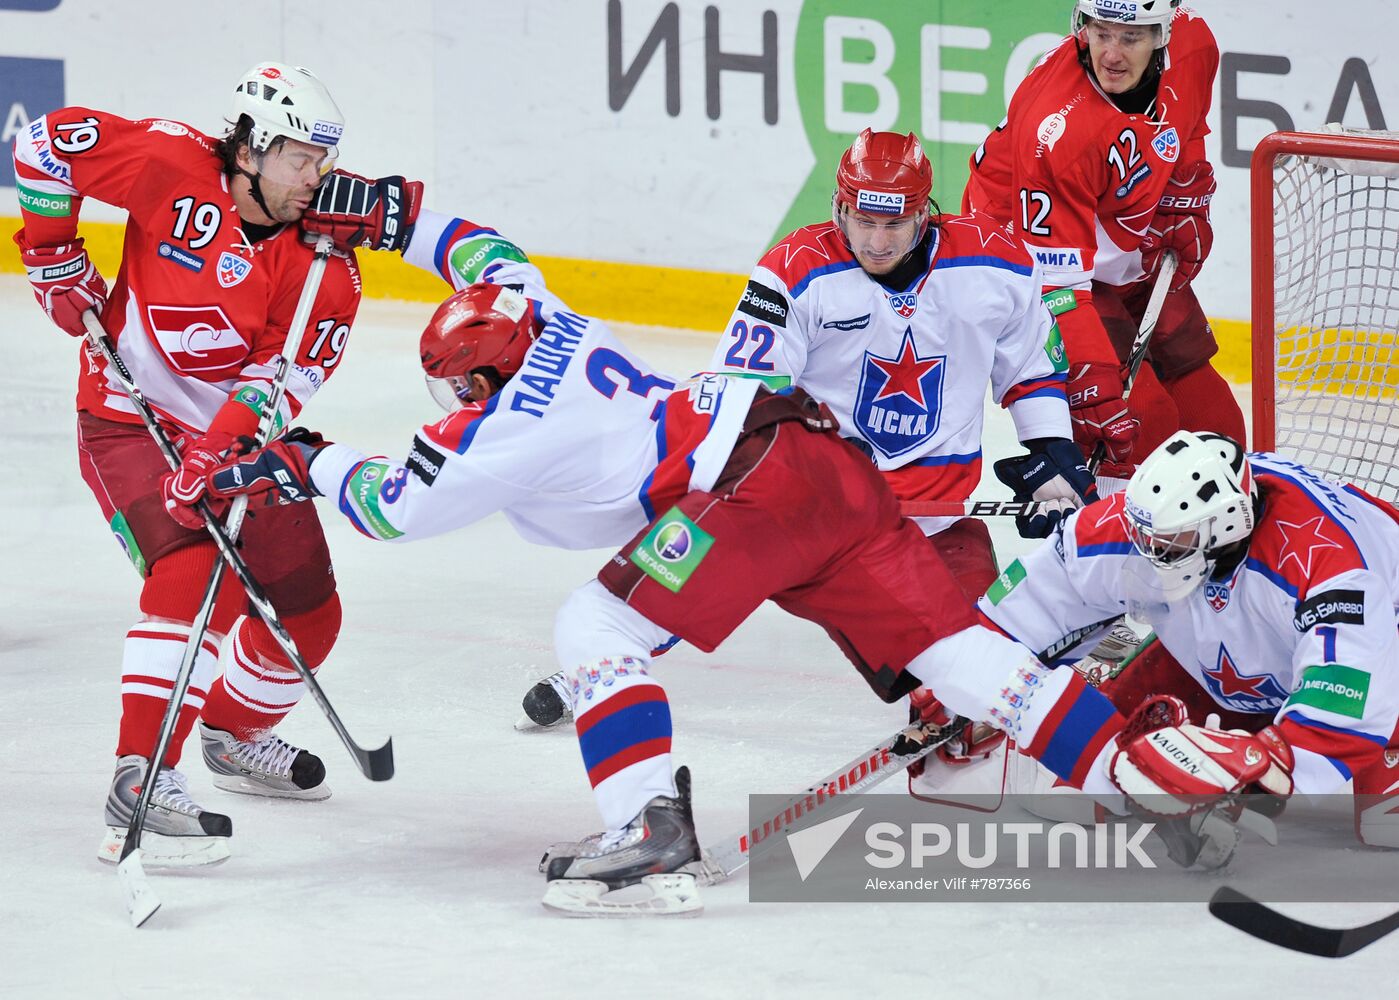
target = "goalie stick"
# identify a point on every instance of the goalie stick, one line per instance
(723, 859)
(1253, 918)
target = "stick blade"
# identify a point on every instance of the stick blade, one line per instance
(377, 764)
(141, 900)
(1257, 920)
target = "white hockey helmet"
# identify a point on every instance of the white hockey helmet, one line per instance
(1151, 12)
(289, 101)
(1191, 497)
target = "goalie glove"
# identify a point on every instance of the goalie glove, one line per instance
(1055, 474)
(1182, 223)
(1167, 766)
(282, 469)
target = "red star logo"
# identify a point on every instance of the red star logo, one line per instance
(1300, 542)
(985, 234)
(1231, 682)
(791, 250)
(905, 373)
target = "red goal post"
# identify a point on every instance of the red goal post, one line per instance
(1325, 302)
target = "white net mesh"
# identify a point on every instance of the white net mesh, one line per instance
(1336, 321)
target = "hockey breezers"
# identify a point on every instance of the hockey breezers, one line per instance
(891, 756)
(1266, 924)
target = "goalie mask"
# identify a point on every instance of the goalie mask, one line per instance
(1191, 498)
(481, 327)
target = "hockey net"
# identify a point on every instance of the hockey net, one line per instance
(1326, 303)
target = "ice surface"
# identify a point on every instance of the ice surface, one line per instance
(426, 886)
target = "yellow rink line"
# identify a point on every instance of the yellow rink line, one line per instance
(630, 293)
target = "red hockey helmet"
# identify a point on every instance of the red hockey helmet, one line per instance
(884, 173)
(479, 327)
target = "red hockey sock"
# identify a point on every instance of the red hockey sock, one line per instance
(1206, 403)
(150, 661)
(259, 686)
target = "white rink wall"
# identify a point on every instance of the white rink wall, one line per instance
(556, 121)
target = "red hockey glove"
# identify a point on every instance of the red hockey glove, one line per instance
(184, 487)
(65, 283)
(357, 211)
(1098, 411)
(283, 469)
(975, 742)
(1166, 765)
(1182, 223)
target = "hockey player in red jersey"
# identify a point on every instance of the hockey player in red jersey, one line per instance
(213, 264)
(1099, 167)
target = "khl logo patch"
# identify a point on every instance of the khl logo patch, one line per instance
(232, 269)
(905, 305)
(1167, 145)
(1217, 595)
(899, 403)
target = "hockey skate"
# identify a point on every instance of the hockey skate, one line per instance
(177, 832)
(269, 766)
(547, 705)
(642, 869)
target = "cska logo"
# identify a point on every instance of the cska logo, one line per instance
(232, 269)
(905, 305)
(899, 402)
(1217, 596)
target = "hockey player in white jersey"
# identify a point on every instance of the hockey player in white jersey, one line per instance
(720, 493)
(1273, 593)
(897, 318)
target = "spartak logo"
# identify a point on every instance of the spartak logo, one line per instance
(196, 338)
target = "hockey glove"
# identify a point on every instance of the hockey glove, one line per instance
(1167, 766)
(184, 487)
(357, 211)
(1053, 473)
(975, 742)
(1182, 223)
(282, 469)
(65, 283)
(1098, 411)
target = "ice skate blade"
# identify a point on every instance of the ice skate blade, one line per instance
(160, 851)
(672, 894)
(249, 786)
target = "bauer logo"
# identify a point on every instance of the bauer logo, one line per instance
(879, 202)
(1167, 145)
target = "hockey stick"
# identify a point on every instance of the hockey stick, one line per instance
(1169, 263)
(969, 508)
(723, 859)
(140, 900)
(1253, 918)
